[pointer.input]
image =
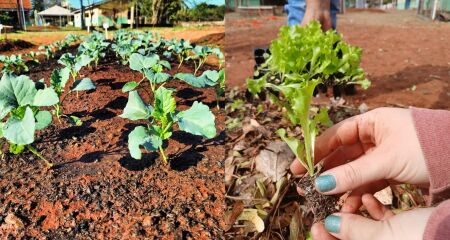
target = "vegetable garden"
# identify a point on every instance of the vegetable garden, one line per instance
(107, 137)
(303, 83)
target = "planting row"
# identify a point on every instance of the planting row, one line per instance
(27, 106)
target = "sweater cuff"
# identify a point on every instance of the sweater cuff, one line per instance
(433, 131)
(438, 225)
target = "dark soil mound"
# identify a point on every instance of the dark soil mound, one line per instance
(12, 45)
(212, 39)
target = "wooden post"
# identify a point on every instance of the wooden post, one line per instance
(132, 16)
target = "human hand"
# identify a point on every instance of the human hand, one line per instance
(368, 152)
(385, 225)
(319, 11)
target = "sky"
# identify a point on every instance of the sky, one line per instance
(76, 3)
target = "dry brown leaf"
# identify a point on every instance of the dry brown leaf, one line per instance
(232, 216)
(274, 161)
(229, 170)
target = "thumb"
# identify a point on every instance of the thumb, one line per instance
(366, 169)
(351, 226)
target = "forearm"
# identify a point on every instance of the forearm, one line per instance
(433, 131)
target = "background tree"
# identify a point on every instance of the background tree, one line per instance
(160, 12)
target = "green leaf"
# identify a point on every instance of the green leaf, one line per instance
(255, 86)
(140, 136)
(198, 120)
(16, 149)
(129, 86)
(213, 76)
(139, 62)
(164, 101)
(21, 131)
(294, 144)
(76, 121)
(45, 98)
(43, 119)
(82, 61)
(2, 124)
(84, 84)
(15, 92)
(200, 82)
(158, 77)
(136, 108)
(59, 78)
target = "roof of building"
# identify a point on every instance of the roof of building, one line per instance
(12, 4)
(108, 4)
(55, 11)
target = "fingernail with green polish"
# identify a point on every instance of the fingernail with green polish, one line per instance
(325, 183)
(333, 223)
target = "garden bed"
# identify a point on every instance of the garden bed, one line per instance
(96, 189)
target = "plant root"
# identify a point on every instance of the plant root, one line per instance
(320, 205)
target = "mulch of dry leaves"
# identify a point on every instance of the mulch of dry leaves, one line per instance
(261, 197)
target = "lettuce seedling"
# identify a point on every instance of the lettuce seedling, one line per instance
(161, 117)
(305, 57)
(151, 68)
(20, 115)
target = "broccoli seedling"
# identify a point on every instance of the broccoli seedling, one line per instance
(181, 49)
(58, 81)
(73, 64)
(304, 57)
(151, 68)
(20, 114)
(13, 64)
(161, 117)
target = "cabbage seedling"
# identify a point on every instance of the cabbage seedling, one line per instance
(20, 115)
(304, 57)
(161, 117)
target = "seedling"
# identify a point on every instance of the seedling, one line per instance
(94, 47)
(151, 68)
(201, 53)
(305, 57)
(181, 50)
(209, 78)
(48, 51)
(73, 64)
(13, 64)
(58, 81)
(20, 103)
(161, 117)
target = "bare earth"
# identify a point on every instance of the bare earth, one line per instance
(407, 58)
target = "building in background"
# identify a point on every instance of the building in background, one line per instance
(15, 13)
(117, 13)
(55, 16)
(259, 7)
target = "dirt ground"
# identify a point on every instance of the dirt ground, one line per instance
(46, 38)
(97, 191)
(406, 57)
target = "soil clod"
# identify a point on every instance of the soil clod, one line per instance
(320, 205)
